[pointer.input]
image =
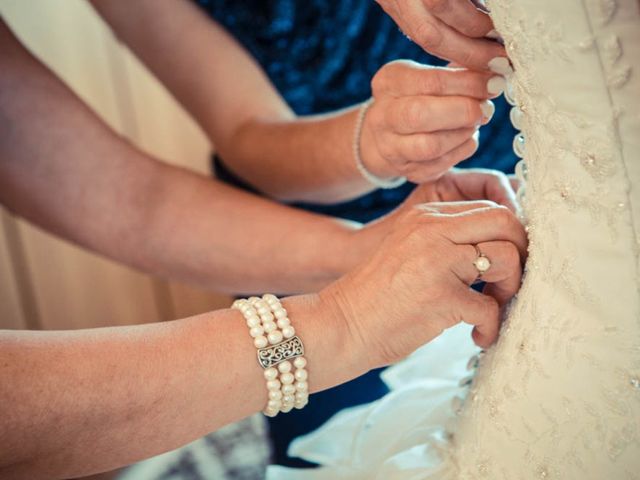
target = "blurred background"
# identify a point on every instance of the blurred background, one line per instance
(46, 283)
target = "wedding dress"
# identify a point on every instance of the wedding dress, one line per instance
(558, 396)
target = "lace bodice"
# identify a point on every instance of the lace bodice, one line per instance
(561, 391)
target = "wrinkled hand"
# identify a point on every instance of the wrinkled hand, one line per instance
(457, 185)
(451, 29)
(417, 283)
(424, 120)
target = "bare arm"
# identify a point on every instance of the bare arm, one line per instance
(259, 136)
(262, 140)
(81, 402)
(62, 168)
(76, 403)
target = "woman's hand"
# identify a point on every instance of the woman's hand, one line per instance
(417, 284)
(455, 30)
(425, 119)
(457, 185)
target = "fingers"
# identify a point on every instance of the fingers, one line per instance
(424, 120)
(497, 188)
(439, 38)
(427, 146)
(483, 312)
(485, 184)
(407, 78)
(463, 16)
(503, 277)
(424, 114)
(485, 225)
(450, 29)
(424, 172)
(473, 53)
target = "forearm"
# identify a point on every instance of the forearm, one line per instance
(86, 401)
(63, 169)
(306, 159)
(226, 91)
(228, 240)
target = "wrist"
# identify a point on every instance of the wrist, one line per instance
(333, 357)
(370, 156)
(340, 302)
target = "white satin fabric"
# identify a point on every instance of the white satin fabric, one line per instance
(558, 397)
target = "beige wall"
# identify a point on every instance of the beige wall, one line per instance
(46, 282)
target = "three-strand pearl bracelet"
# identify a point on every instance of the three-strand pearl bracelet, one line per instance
(280, 353)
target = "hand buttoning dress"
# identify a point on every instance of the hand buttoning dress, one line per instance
(558, 397)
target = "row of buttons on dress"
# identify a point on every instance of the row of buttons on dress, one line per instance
(516, 115)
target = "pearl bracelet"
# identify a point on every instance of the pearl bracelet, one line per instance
(368, 176)
(280, 353)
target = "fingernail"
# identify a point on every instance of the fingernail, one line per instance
(494, 35)
(496, 85)
(500, 65)
(488, 109)
(481, 4)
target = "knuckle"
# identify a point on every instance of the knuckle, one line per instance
(387, 151)
(511, 255)
(468, 56)
(431, 146)
(491, 308)
(427, 34)
(406, 169)
(382, 81)
(378, 84)
(434, 82)
(502, 217)
(417, 173)
(437, 6)
(410, 115)
(476, 26)
(375, 115)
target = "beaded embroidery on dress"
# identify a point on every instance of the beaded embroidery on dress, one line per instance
(558, 396)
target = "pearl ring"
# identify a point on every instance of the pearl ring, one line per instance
(482, 263)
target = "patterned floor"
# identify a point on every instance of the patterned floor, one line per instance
(240, 451)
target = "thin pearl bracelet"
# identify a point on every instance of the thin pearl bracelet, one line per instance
(357, 154)
(279, 352)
